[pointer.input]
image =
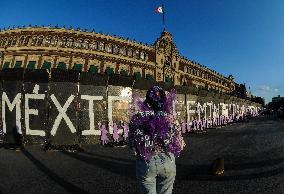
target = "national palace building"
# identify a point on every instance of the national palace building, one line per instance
(46, 47)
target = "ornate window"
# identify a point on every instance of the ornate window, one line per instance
(5, 42)
(146, 57)
(149, 77)
(21, 42)
(115, 49)
(123, 72)
(168, 79)
(6, 65)
(14, 42)
(137, 75)
(93, 69)
(70, 42)
(129, 52)
(122, 51)
(46, 65)
(27, 39)
(137, 54)
(62, 42)
(93, 45)
(47, 41)
(54, 41)
(85, 44)
(61, 65)
(101, 46)
(78, 43)
(31, 65)
(109, 71)
(18, 64)
(78, 67)
(40, 41)
(109, 48)
(9, 42)
(142, 55)
(34, 40)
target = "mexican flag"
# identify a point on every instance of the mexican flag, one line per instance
(159, 9)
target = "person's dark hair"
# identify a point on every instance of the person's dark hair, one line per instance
(156, 98)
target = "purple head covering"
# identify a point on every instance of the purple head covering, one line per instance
(151, 126)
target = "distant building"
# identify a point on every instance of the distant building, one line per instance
(44, 48)
(277, 99)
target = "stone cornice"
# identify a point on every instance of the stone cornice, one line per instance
(207, 70)
(73, 32)
(78, 52)
(202, 80)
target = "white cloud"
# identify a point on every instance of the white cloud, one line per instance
(267, 89)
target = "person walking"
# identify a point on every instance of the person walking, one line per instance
(156, 139)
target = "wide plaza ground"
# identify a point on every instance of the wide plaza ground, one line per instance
(253, 154)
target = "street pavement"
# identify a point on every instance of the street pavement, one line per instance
(253, 153)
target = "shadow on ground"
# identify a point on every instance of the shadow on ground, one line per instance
(53, 176)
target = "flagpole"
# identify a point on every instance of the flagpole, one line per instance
(164, 17)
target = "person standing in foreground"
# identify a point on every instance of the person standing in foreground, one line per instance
(156, 139)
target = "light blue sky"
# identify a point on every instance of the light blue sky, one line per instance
(243, 38)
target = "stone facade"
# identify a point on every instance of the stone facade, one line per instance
(44, 48)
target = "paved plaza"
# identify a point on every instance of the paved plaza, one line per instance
(253, 154)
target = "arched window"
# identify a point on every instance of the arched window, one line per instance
(5, 41)
(70, 42)
(142, 55)
(54, 41)
(31, 65)
(101, 46)
(93, 69)
(85, 44)
(9, 42)
(168, 79)
(122, 51)
(14, 42)
(109, 48)
(184, 81)
(137, 75)
(62, 42)
(123, 72)
(34, 40)
(137, 54)
(146, 56)
(109, 71)
(46, 65)
(115, 49)
(40, 41)
(93, 45)
(61, 65)
(47, 41)
(27, 39)
(78, 67)
(6, 65)
(129, 52)
(18, 64)
(22, 40)
(149, 77)
(78, 43)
